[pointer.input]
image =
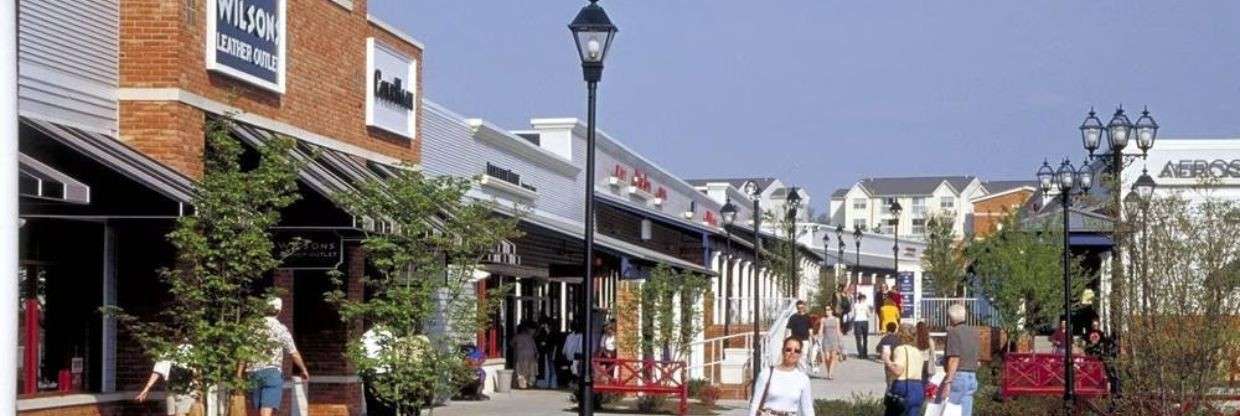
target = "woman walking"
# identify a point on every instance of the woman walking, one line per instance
(905, 396)
(831, 340)
(928, 351)
(784, 389)
(526, 349)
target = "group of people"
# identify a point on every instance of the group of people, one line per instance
(906, 351)
(545, 358)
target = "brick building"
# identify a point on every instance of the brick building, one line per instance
(113, 98)
(1006, 198)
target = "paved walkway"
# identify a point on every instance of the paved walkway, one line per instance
(852, 377)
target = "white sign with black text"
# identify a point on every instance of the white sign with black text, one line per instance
(391, 90)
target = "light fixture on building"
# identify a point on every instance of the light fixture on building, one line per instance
(1144, 187)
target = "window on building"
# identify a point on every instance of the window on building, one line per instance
(919, 226)
(919, 206)
(947, 202)
(859, 223)
(859, 203)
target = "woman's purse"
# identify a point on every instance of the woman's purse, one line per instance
(894, 404)
(770, 373)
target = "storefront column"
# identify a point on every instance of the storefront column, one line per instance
(355, 290)
(8, 206)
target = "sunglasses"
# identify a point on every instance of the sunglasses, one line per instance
(792, 350)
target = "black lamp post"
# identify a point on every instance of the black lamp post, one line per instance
(826, 248)
(792, 203)
(1143, 188)
(728, 212)
(592, 32)
(1067, 181)
(857, 241)
(839, 241)
(755, 194)
(896, 210)
(1118, 132)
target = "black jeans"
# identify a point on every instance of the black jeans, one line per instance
(861, 331)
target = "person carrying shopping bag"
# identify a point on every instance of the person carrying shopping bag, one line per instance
(905, 395)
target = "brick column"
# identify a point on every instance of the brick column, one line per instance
(628, 326)
(355, 290)
(284, 282)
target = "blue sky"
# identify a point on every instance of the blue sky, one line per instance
(823, 92)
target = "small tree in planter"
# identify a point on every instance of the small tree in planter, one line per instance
(223, 250)
(420, 302)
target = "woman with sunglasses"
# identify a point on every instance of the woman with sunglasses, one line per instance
(784, 389)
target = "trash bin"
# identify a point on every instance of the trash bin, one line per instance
(503, 381)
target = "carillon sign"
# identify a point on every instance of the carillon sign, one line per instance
(391, 90)
(246, 39)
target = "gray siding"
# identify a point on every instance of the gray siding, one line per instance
(449, 148)
(67, 61)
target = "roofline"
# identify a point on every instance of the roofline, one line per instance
(1010, 190)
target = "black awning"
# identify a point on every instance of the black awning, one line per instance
(110, 152)
(38, 180)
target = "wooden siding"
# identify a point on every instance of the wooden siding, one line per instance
(67, 61)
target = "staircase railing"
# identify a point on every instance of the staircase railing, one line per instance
(703, 367)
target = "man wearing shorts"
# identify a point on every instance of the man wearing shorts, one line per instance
(266, 376)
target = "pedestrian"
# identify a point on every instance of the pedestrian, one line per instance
(526, 350)
(572, 351)
(960, 381)
(929, 352)
(861, 326)
(905, 395)
(886, 344)
(180, 395)
(832, 340)
(607, 349)
(1059, 339)
(266, 376)
(798, 327)
(785, 389)
(888, 307)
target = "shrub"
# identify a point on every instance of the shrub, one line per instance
(709, 395)
(695, 386)
(651, 403)
(856, 406)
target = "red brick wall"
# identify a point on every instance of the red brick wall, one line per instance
(989, 213)
(162, 46)
(126, 408)
(169, 132)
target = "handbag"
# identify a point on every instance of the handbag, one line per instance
(770, 373)
(894, 404)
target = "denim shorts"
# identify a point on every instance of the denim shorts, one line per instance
(267, 388)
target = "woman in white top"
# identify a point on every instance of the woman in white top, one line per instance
(784, 390)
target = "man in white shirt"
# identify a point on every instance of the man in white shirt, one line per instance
(266, 374)
(861, 325)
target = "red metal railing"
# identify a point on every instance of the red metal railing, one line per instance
(643, 376)
(1042, 375)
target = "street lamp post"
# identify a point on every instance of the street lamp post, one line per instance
(1118, 132)
(592, 32)
(896, 210)
(728, 212)
(1143, 188)
(857, 241)
(1067, 181)
(751, 188)
(839, 241)
(791, 204)
(826, 248)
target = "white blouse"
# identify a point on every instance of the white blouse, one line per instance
(789, 392)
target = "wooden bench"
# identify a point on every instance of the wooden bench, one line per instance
(1033, 374)
(613, 375)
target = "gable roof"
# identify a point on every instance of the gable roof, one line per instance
(839, 193)
(920, 185)
(738, 183)
(995, 187)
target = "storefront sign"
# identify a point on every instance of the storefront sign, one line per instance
(310, 249)
(1201, 169)
(391, 90)
(904, 285)
(246, 39)
(641, 181)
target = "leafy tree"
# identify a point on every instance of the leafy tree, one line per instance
(420, 302)
(1021, 271)
(223, 250)
(666, 294)
(944, 259)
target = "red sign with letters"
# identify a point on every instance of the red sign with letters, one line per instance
(710, 218)
(641, 180)
(620, 173)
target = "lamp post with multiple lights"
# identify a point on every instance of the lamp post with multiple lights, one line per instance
(791, 204)
(728, 212)
(1068, 181)
(593, 33)
(755, 194)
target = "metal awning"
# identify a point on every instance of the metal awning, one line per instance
(38, 180)
(620, 247)
(314, 174)
(110, 152)
(1089, 240)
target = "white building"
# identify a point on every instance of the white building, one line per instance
(865, 204)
